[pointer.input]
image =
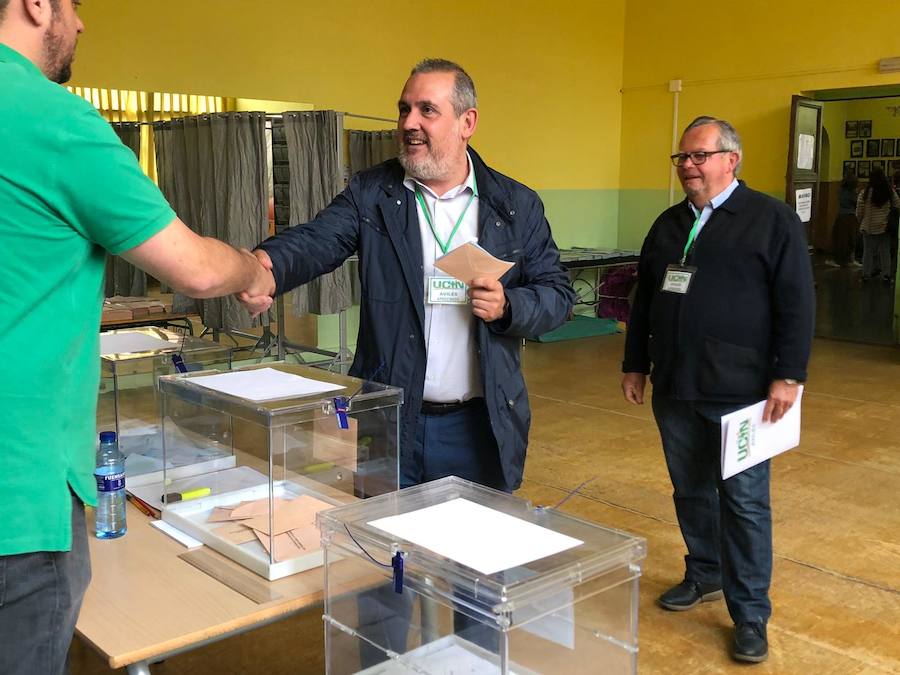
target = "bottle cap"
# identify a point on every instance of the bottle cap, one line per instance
(107, 436)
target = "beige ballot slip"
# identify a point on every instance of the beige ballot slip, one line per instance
(470, 261)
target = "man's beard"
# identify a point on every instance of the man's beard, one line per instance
(58, 65)
(429, 167)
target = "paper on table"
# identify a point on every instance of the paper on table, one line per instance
(747, 440)
(470, 261)
(264, 384)
(479, 537)
(128, 343)
(176, 534)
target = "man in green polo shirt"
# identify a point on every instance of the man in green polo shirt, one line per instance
(69, 192)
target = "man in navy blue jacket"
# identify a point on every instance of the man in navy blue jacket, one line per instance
(724, 314)
(466, 409)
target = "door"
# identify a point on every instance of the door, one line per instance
(804, 146)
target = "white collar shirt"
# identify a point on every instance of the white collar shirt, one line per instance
(452, 371)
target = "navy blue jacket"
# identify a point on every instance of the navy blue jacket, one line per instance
(376, 217)
(748, 315)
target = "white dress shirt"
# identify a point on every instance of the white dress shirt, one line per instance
(713, 204)
(452, 372)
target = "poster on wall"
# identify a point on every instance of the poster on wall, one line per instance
(856, 148)
(851, 129)
(873, 148)
(862, 168)
(803, 203)
(806, 150)
(887, 147)
(865, 128)
(849, 167)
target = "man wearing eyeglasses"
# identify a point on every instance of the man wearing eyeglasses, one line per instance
(722, 318)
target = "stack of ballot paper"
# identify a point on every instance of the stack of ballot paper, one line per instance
(747, 440)
(295, 530)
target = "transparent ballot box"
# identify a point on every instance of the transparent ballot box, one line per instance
(131, 362)
(488, 583)
(298, 440)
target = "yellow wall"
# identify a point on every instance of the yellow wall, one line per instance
(548, 74)
(740, 61)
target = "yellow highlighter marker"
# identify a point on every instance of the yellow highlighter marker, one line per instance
(196, 493)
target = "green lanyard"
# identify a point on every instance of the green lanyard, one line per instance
(446, 247)
(691, 237)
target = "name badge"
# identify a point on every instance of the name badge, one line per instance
(447, 291)
(678, 278)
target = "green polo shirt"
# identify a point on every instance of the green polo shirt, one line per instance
(69, 192)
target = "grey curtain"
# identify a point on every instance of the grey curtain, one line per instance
(370, 148)
(123, 278)
(314, 140)
(212, 169)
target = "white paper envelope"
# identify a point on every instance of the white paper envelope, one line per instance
(470, 261)
(747, 440)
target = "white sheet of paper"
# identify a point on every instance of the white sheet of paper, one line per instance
(176, 534)
(264, 384)
(806, 151)
(747, 440)
(476, 536)
(129, 343)
(803, 204)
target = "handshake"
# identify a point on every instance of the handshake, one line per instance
(258, 296)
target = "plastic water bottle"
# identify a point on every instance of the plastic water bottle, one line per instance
(110, 475)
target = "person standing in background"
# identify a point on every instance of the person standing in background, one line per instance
(873, 208)
(722, 318)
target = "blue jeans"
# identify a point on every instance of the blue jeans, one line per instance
(877, 246)
(726, 524)
(40, 597)
(459, 444)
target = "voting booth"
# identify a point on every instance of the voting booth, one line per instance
(131, 361)
(466, 579)
(295, 440)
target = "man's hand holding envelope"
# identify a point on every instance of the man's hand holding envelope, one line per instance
(481, 272)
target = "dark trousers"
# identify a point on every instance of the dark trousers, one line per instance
(459, 444)
(40, 597)
(726, 524)
(843, 238)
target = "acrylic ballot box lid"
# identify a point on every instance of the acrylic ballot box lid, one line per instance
(348, 530)
(141, 343)
(360, 396)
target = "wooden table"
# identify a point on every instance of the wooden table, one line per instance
(159, 319)
(145, 604)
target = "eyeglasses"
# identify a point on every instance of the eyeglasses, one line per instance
(696, 157)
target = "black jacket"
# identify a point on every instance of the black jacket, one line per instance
(747, 318)
(376, 216)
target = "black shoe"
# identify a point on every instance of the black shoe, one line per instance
(688, 594)
(750, 643)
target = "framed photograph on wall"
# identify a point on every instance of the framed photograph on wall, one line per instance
(851, 129)
(865, 128)
(873, 148)
(862, 168)
(856, 148)
(897, 147)
(849, 167)
(878, 164)
(887, 147)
